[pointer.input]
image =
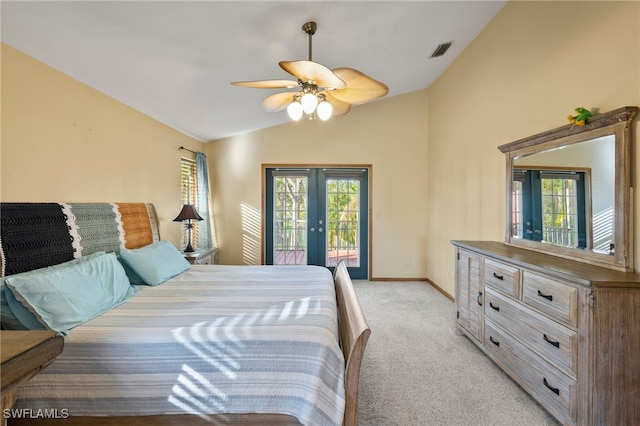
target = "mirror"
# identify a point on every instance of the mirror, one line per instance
(568, 191)
(565, 196)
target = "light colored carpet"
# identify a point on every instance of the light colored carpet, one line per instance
(416, 371)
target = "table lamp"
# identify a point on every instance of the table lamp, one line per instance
(188, 213)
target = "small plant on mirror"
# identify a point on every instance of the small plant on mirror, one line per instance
(580, 119)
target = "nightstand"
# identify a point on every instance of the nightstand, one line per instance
(202, 256)
(24, 354)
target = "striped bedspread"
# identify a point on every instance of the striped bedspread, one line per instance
(215, 339)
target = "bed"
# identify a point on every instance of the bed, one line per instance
(212, 344)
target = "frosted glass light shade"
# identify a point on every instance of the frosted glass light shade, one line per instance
(309, 102)
(324, 110)
(294, 110)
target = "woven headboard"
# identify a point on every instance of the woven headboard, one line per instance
(35, 235)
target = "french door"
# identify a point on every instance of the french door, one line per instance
(550, 206)
(318, 216)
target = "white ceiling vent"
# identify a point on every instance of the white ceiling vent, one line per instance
(441, 49)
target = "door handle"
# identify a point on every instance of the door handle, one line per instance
(319, 229)
(312, 229)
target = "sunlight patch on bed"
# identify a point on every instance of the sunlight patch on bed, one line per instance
(195, 394)
(206, 349)
(220, 343)
(302, 309)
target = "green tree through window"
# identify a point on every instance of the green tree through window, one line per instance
(343, 206)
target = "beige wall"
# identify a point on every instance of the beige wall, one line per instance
(63, 141)
(533, 64)
(389, 134)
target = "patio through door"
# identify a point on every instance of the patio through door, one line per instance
(318, 216)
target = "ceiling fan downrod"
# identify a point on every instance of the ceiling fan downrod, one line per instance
(310, 29)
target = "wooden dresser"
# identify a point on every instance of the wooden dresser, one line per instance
(566, 331)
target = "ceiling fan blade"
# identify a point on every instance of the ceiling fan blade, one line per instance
(360, 87)
(267, 84)
(313, 72)
(278, 102)
(339, 107)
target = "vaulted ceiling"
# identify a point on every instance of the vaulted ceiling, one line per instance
(174, 60)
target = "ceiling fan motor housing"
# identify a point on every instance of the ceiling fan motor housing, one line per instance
(310, 28)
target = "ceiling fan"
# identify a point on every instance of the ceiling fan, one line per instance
(323, 92)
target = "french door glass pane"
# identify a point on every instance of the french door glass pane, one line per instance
(559, 212)
(516, 203)
(343, 231)
(290, 220)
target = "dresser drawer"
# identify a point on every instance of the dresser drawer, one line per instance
(502, 277)
(553, 389)
(549, 339)
(558, 300)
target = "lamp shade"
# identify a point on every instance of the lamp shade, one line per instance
(295, 110)
(324, 110)
(187, 212)
(309, 102)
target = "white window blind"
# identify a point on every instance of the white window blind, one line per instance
(188, 195)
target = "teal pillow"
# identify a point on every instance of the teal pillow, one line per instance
(133, 277)
(66, 297)
(156, 262)
(8, 317)
(24, 317)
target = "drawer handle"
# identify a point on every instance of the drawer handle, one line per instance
(549, 297)
(552, 342)
(499, 277)
(495, 342)
(551, 388)
(495, 308)
(478, 298)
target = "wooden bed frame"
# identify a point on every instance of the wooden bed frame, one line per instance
(353, 332)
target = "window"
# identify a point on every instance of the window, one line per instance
(550, 206)
(290, 217)
(343, 223)
(516, 202)
(560, 209)
(188, 195)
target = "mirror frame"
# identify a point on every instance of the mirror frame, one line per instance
(617, 122)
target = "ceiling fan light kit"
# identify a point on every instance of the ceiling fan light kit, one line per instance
(322, 93)
(294, 109)
(324, 110)
(309, 102)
